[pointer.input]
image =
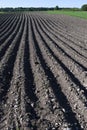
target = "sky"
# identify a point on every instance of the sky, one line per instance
(42, 3)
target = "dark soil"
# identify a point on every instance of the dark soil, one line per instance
(43, 72)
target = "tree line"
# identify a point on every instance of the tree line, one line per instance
(84, 8)
(28, 9)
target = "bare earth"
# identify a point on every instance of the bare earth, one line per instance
(43, 72)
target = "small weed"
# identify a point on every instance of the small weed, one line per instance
(17, 128)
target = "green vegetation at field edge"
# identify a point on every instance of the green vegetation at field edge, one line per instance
(81, 14)
(1, 12)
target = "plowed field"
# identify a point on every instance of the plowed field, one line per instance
(43, 72)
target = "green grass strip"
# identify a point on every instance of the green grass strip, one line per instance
(81, 14)
(1, 12)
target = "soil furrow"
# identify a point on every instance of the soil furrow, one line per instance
(64, 35)
(48, 106)
(57, 89)
(31, 97)
(66, 42)
(5, 36)
(15, 107)
(6, 67)
(9, 40)
(43, 72)
(65, 30)
(9, 25)
(6, 23)
(78, 81)
(72, 85)
(60, 47)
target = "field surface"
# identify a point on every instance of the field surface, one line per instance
(43, 72)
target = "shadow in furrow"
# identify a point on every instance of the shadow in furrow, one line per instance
(61, 98)
(29, 84)
(71, 75)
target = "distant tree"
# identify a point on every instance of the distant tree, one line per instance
(57, 8)
(84, 7)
